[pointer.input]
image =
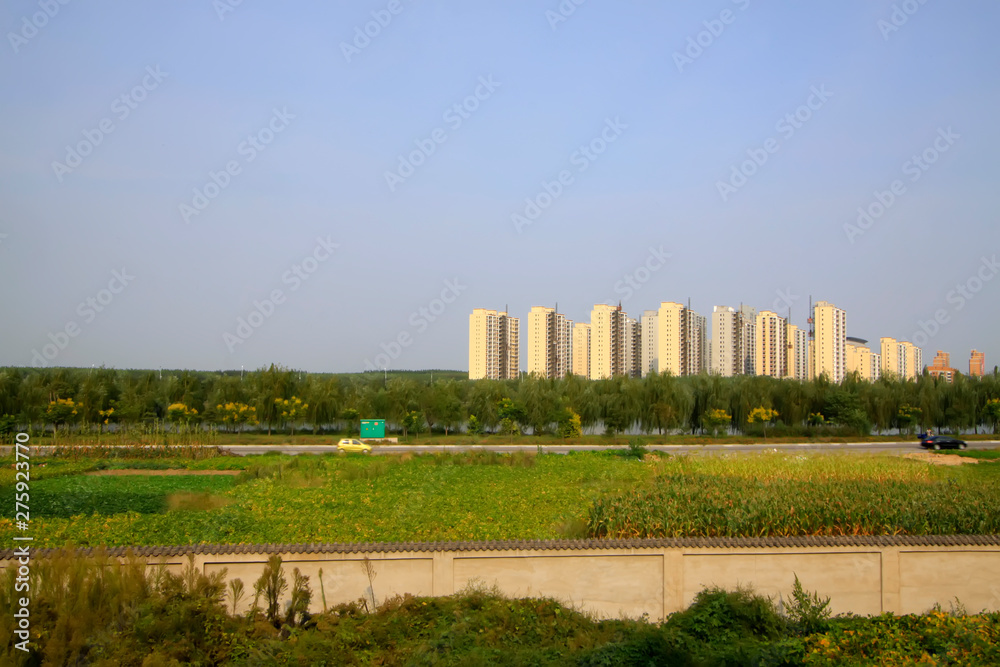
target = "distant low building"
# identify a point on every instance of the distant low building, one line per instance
(942, 367)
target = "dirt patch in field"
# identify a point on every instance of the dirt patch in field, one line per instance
(940, 459)
(133, 471)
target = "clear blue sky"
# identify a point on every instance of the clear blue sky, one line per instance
(201, 86)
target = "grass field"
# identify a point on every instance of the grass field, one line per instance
(486, 496)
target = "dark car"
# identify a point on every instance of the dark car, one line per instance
(941, 442)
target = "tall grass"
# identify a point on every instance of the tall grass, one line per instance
(776, 495)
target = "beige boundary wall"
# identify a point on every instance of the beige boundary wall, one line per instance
(612, 578)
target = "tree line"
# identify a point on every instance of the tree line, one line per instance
(277, 398)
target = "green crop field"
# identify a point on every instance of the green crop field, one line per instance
(487, 496)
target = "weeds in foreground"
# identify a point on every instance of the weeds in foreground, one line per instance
(99, 610)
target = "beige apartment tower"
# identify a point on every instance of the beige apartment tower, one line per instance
(550, 343)
(828, 345)
(494, 340)
(902, 359)
(670, 351)
(726, 342)
(607, 350)
(797, 356)
(650, 324)
(681, 340)
(771, 350)
(734, 341)
(861, 360)
(914, 359)
(697, 342)
(581, 349)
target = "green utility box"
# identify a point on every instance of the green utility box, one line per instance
(372, 428)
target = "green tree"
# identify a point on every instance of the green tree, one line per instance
(907, 417)
(353, 419)
(178, 413)
(763, 416)
(474, 426)
(290, 410)
(236, 415)
(569, 425)
(715, 419)
(60, 411)
(412, 421)
(991, 412)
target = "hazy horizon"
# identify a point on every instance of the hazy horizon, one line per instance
(225, 184)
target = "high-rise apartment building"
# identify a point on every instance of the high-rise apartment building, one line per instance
(914, 359)
(550, 343)
(494, 340)
(901, 358)
(797, 356)
(670, 349)
(650, 324)
(607, 341)
(828, 353)
(893, 358)
(632, 344)
(977, 363)
(581, 349)
(726, 355)
(734, 340)
(697, 342)
(681, 340)
(771, 349)
(859, 359)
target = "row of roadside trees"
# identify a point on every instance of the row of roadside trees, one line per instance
(277, 398)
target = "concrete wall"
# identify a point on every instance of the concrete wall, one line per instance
(631, 581)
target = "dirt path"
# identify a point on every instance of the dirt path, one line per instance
(940, 459)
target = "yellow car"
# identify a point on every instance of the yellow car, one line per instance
(353, 445)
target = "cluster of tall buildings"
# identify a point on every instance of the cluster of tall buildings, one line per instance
(674, 338)
(941, 367)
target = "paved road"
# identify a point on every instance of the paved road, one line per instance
(854, 447)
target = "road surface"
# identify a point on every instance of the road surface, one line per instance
(853, 447)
